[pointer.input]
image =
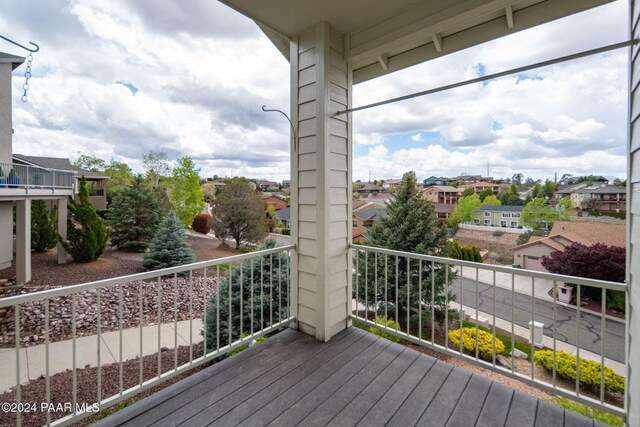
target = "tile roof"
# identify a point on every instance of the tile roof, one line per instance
(585, 232)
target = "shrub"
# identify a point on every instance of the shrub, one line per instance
(265, 290)
(485, 339)
(391, 324)
(168, 248)
(43, 231)
(202, 223)
(498, 233)
(286, 231)
(102, 213)
(87, 233)
(590, 371)
(616, 300)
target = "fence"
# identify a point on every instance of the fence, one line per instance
(24, 176)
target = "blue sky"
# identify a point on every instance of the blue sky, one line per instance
(116, 79)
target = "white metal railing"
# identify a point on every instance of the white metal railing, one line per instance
(424, 294)
(24, 176)
(245, 297)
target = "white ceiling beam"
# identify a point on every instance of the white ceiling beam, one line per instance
(523, 18)
(509, 11)
(437, 42)
(384, 61)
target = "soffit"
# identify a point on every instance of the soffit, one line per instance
(383, 36)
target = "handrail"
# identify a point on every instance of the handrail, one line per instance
(99, 284)
(614, 286)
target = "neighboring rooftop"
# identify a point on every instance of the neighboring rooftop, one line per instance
(370, 213)
(586, 233)
(59, 163)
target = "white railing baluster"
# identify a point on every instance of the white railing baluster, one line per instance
(74, 375)
(140, 321)
(47, 381)
(603, 319)
(578, 301)
(18, 387)
(159, 302)
(120, 362)
(191, 316)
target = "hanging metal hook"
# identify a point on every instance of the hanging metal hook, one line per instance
(295, 136)
(24, 47)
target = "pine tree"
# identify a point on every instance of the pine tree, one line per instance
(409, 225)
(43, 231)
(134, 216)
(267, 295)
(168, 248)
(87, 233)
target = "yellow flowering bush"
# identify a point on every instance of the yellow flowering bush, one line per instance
(485, 339)
(590, 371)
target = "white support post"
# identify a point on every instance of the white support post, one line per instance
(62, 229)
(632, 394)
(23, 241)
(321, 182)
(6, 234)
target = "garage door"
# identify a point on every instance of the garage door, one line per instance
(533, 263)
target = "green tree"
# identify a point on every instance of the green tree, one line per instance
(511, 197)
(491, 200)
(468, 192)
(156, 166)
(120, 176)
(267, 295)
(238, 213)
(538, 214)
(485, 193)
(564, 208)
(187, 194)
(465, 209)
(87, 233)
(409, 225)
(548, 189)
(168, 247)
(43, 230)
(134, 216)
(89, 162)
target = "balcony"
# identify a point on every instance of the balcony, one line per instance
(18, 179)
(354, 378)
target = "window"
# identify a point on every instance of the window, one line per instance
(535, 258)
(354, 224)
(476, 221)
(487, 222)
(513, 224)
(515, 215)
(506, 214)
(503, 223)
(487, 214)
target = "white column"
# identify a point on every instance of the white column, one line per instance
(6, 234)
(321, 182)
(632, 398)
(62, 229)
(23, 241)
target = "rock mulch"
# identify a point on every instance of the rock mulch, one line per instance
(61, 386)
(174, 302)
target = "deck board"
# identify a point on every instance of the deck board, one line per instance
(355, 379)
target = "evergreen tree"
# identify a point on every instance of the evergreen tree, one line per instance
(43, 231)
(468, 192)
(485, 193)
(187, 194)
(267, 295)
(168, 248)
(87, 233)
(409, 225)
(134, 216)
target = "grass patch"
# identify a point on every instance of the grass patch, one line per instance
(115, 408)
(244, 347)
(390, 324)
(506, 340)
(603, 417)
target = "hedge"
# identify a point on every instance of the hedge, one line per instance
(590, 371)
(469, 341)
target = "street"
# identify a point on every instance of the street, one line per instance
(566, 318)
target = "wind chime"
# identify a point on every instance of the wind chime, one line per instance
(27, 73)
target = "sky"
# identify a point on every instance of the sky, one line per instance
(115, 79)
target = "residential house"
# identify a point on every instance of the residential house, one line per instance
(470, 179)
(566, 233)
(96, 182)
(362, 221)
(264, 185)
(433, 180)
(444, 211)
(443, 194)
(602, 198)
(498, 216)
(284, 215)
(370, 188)
(480, 186)
(391, 184)
(378, 198)
(276, 201)
(22, 182)
(286, 183)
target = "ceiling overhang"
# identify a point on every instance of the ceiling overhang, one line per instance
(383, 36)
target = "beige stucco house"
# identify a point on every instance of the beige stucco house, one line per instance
(566, 233)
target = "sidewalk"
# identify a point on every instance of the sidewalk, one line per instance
(33, 359)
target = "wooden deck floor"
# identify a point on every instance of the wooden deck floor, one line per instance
(355, 379)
